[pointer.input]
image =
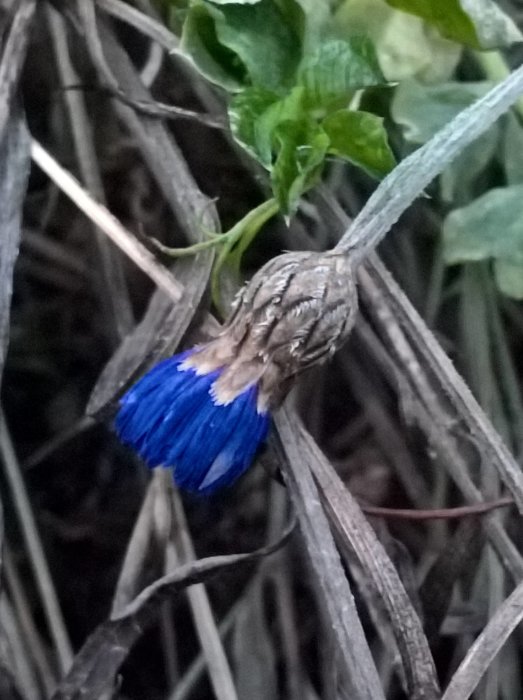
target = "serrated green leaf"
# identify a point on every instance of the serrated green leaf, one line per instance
(302, 146)
(489, 227)
(480, 24)
(360, 137)
(332, 73)
(268, 47)
(245, 111)
(289, 109)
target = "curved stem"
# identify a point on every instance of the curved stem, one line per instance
(216, 240)
(242, 233)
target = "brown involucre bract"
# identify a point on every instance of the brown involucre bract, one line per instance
(295, 312)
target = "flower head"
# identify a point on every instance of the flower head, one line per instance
(173, 417)
(205, 412)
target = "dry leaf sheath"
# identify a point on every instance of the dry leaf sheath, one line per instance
(206, 411)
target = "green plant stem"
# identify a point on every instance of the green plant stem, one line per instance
(247, 227)
(215, 239)
(242, 233)
(496, 69)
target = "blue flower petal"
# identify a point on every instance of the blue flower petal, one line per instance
(239, 451)
(171, 418)
(181, 414)
(144, 405)
(218, 425)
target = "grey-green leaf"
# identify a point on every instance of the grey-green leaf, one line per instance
(494, 27)
(480, 24)
(422, 110)
(489, 227)
(406, 47)
(509, 277)
(336, 69)
(360, 137)
(459, 180)
(512, 155)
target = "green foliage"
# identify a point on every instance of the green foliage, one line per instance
(480, 24)
(261, 122)
(301, 146)
(405, 45)
(487, 227)
(289, 74)
(245, 112)
(490, 227)
(236, 45)
(332, 72)
(295, 73)
(214, 60)
(360, 138)
(513, 150)
(422, 110)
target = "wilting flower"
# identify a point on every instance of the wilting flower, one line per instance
(206, 411)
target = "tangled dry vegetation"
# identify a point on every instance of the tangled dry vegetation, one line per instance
(114, 584)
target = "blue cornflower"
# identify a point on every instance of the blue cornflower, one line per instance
(175, 416)
(205, 412)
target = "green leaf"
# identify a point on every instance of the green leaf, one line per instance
(267, 45)
(255, 114)
(360, 137)
(512, 150)
(458, 181)
(313, 20)
(480, 24)
(302, 146)
(489, 227)
(289, 109)
(216, 62)
(239, 44)
(245, 111)
(405, 45)
(509, 277)
(235, 2)
(422, 110)
(336, 69)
